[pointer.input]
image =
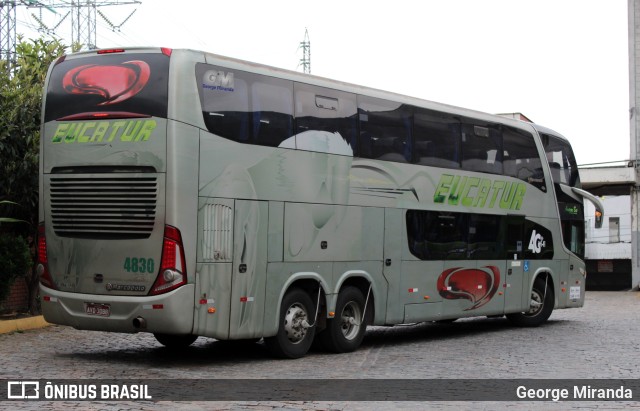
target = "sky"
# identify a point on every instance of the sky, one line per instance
(562, 63)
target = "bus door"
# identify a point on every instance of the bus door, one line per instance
(249, 269)
(514, 282)
(392, 263)
(230, 284)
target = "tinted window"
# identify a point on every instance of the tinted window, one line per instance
(130, 83)
(562, 162)
(437, 235)
(385, 130)
(327, 110)
(521, 159)
(485, 237)
(437, 139)
(481, 148)
(246, 107)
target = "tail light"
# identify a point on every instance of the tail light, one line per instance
(173, 270)
(42, 262)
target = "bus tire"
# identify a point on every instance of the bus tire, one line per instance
(296, 327)
(537, 314)
(344, 332)
(175, 340)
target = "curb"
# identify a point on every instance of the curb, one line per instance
(10, 326)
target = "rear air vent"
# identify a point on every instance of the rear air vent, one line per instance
(217, 233)
(103, 208)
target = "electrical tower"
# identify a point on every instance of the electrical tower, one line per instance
(8, 32)
(305, 45)
(83, 16)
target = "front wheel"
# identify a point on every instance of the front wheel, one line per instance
(175, 340)
(345, 332)
(541, 305)
(296, 326)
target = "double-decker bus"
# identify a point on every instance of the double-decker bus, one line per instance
(188, 194)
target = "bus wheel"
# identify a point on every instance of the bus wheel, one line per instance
(345, 332)
(297, 326)
(541, 306)
(175, 340)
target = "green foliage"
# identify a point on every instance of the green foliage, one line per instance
(9, 219)
(21, 92)
(20, 108)
(15, 261)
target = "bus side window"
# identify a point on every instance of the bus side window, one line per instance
(486, 241)
(434, 235)
(521, 159)
(385, 129)
(272, 111)
(437, 139)
(331, 111)
(481, 148)
(225, 109)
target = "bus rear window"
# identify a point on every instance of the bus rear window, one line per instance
(118, 84)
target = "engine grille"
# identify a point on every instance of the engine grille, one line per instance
(103, 208)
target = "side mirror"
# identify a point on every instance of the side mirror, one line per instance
(598, 218)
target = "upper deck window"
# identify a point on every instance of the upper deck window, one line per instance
(245, 107)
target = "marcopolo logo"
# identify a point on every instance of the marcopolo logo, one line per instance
(218, 80)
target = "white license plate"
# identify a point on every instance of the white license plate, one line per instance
(102, 310)
(574, 293)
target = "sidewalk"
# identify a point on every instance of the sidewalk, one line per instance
(22, 324)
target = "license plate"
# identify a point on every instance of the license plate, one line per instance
(102, 310)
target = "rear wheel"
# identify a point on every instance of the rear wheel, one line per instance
(175, 340)
(296, 326)
(345, 332)
(541, 305)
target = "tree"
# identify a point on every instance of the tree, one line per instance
(21, 93)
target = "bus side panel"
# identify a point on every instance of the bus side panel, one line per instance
(249, 269)
(324, 232)
(576, 282)
(419, 290)
(213, 288)
(182, 187)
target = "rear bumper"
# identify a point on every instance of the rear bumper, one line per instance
(170, 313)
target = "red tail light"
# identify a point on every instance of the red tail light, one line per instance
(173, 270)
(110, 51)
(42, 266)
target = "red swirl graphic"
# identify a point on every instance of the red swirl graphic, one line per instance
(477, 285)
(114, 83)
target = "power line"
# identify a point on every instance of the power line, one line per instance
(81, 14)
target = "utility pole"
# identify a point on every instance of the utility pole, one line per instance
(305, 45)
(634, 119)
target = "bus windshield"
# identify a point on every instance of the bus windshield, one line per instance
(564, 169)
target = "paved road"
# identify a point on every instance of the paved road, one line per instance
(601, 340)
